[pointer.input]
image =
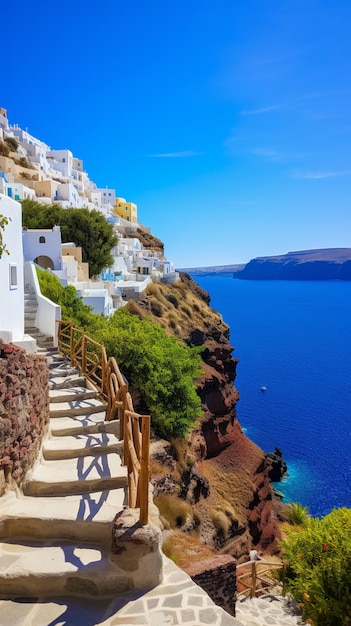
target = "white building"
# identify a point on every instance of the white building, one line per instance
(108, 199)
(43, 247)
(68, 197)
(11, 277)
(18, 191)
(4, 124)
(62, 161)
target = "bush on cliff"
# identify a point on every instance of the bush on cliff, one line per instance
(319, 566)
(156, 364)
(297, 514)
(162, 369)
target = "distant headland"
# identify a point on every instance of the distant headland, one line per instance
(321, 264)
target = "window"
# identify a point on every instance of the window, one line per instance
(42, 239)
(13, 275)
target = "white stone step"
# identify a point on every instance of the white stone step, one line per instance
(87, 516)
(73, 394)
(81, 445)
(84, 407)
(64, 382)
(87, 424)
(63, 370)
(55, 360)
(77, 475)
(59, 570)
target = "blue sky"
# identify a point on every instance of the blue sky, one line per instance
(227, 122)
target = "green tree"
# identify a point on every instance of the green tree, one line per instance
(88, 229)
(319, 566)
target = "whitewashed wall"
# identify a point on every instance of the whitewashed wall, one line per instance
(12, 295)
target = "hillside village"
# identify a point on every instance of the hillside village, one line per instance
(44, 391)
(66, 425)
(31, 170)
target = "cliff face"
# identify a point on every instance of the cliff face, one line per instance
(218, 468)
(328, 264)
(216, 386)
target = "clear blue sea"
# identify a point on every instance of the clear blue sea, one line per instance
(294, 337)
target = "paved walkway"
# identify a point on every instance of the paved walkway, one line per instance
(177, 600)
(268, 610)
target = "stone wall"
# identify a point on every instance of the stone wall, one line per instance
(218, 578)
(24, 411)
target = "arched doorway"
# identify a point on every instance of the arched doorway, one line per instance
(44, 261)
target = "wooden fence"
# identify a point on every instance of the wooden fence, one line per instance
(105, 375)
(256, 577)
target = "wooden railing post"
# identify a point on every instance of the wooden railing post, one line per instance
(253, 579)
(58, 334)
(71, 351)
(145, 470)
(84, 355)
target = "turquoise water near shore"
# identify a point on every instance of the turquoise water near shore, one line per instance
(294, 337)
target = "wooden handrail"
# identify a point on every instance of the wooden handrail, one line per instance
(254, 574)
(105, 375)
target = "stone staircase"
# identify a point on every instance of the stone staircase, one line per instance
(30, 311)
(56, 536)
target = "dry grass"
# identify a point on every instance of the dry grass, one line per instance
(223, 519)
(232, 493)
(221, 522)
(174, 512)
(153, 289)
(185, 548)
(181, 451)
(158, 469)
(156, 307)
(177, 308)
(133, 307)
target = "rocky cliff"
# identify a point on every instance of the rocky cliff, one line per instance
(218, 471)
(327, 264)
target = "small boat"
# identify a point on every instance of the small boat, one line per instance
(263, 388)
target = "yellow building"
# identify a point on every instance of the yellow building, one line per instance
(127, 210)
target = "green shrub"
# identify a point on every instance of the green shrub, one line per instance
(3, 223)
(298, 514)
(50, 286)
(162, 369)
(319, 566)
(72, 305)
